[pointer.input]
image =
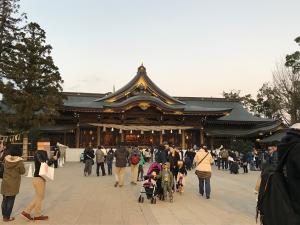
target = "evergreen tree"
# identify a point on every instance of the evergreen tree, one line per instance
(33, 88)
(293, 60)
(9, 34)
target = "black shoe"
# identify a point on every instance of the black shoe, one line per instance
(207, 197)
(201, 194)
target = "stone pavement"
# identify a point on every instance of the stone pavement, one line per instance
(75, 199)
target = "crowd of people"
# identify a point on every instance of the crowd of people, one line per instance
(173, 164)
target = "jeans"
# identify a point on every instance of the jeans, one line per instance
(109, 167)
(88, 166)
(206, 182)
(7, 206)
(102, 169)
(141, 172)
(225, 164)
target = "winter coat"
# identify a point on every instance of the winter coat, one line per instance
(13, 169)
(110, 156)
(205, 165)
(292, 143)
(88, 154)
(166, 177)
(142, 160)
(173, 160)
(100, 156)
(121, 155)
(135, 151)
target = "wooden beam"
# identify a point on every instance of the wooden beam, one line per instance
(77, 136)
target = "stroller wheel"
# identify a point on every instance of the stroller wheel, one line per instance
(154, 201)
(140, 199)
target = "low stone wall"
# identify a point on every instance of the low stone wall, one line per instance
(73, 154)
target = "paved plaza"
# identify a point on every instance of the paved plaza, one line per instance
(75, 199)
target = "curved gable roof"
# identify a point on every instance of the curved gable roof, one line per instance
(141, 79)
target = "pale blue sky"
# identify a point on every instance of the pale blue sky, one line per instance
(189, 47)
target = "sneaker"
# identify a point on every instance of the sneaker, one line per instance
(116, 184)
(8, 220)
(26, 215)
(41, 218)
(207, 197)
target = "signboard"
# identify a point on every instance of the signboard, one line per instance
(43, 145)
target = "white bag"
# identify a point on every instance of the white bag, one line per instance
(46, 171)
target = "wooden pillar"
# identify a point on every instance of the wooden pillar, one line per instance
(65, 137)
(160, 138)
(98, 136)
(201, 136)
(212, 142)
(183, 139)
(25, 145)
(122, 137)
(77, 136)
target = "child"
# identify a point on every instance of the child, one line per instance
(166, 177)
(141, 168)
(180, 177)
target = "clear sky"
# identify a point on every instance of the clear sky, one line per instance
(189, 47)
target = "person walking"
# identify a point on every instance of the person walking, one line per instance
(121, 155)
(135, 157)
(291, 143)
(13, 169)
(174, 157)
(100, 160)
(39, 184)
(89, 156)
(141, 168)
(109, 161)
(203, 161)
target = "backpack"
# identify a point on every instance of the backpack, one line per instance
(225, 154)
(110, 157)
(274, 205)
(135, 159)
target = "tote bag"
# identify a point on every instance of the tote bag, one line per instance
(46, 171)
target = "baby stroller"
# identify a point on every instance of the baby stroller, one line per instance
(149, 189)
(153, 170)
(180, 184)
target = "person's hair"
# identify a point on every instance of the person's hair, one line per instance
(14, 150)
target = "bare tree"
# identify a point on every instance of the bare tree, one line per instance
(286, 84)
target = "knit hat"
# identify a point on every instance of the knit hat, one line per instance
(296, 126)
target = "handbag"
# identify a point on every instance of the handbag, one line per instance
(46, 172)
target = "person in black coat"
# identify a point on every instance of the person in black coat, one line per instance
(291, 142)
(89, 156)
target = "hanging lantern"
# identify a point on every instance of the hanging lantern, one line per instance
(152, 132)
(131, 131)
(163, 131)
(112, 129)
(171, 131)
(179, 132)
(142, 132)
(104, 129)
(120, 131)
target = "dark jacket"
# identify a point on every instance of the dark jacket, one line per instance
(39, 157)
(292, 143)
(110, 156)
(88, 154)
(173, 160)
(121, 155)
(13, 169)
